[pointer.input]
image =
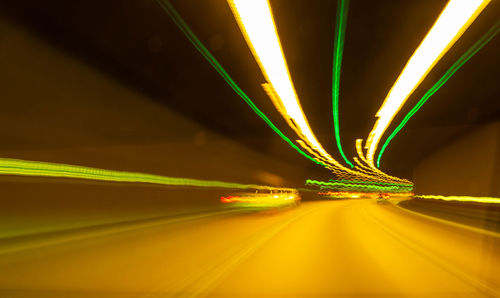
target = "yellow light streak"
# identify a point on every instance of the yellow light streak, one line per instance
(262, 200)
(256, 22)
(254, 17)
(369, 171)
(359, 150)
(310, 151)
(374, 170)
(450, 25)
(489, 200)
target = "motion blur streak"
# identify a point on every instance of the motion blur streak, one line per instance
(360, 167)
(371, 182)
(174, 15)
(489, 200)
(262, 200)
(360, 186)
(352, 248)
(381, 175)
(485, 39)
(340, 26)
(357, 195)
(359, 150)
(342, 194)
(450, 25)
(47, 169)
(257, 25)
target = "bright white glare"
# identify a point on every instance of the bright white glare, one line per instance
(453, 21)
(256, 23)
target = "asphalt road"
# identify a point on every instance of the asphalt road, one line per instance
(325, 248)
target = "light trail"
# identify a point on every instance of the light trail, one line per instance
(315, 155)
(359, 150)
(340, 26)
(382, 183)
(360, 186)
(343, 194)
(381, 176)
(19, 167)
(450, 25)
(373, 170)
(487, 37)
(257, 25)
(359, 195)
(181, 24)
(488, 200)
(262, 200)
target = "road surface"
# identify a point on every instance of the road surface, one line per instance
(323, 248)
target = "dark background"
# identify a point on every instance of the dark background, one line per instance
(136, 42)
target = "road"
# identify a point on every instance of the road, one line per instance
(322, 248)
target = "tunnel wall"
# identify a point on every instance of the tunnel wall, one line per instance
(56, 108)
(468, 166)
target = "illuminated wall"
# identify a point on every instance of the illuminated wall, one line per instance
(468, 166)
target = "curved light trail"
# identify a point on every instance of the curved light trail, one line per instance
(281, 78)
(257, 25)
(341, 21)
(487, 37)
(374, 171)
(174, 15)
(450, 25)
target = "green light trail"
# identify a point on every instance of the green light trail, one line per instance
(341, 21)
(174, 15)
(47, 169)
(487, 37)
(369, 182)
(359, 186)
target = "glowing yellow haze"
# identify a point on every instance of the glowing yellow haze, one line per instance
(256, 22)
(451, 24)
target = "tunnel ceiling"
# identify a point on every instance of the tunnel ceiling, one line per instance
(138, 44)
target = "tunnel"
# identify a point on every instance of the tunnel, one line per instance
(250, 148)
